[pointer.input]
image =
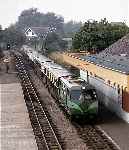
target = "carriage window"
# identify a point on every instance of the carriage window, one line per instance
(58, 83)
(75, 95)
(47, 73)
(67, 91)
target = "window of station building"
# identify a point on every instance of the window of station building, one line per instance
(98, 77)
(118, 90)
(28, 31)
(125, 89)
(118, 86)
(114, 84)
(109, 82)
(91, 73)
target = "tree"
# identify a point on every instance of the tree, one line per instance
(31, 17)
(54, 42)
(13, 36)
(71, 27)
(97, 36)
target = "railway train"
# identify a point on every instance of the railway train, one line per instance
(74, 94)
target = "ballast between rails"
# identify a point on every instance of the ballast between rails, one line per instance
(31, 92)
(23, 79)
(49, 71)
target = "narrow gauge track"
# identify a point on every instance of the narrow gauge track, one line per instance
(92, 135)
(45, 136)
(95, 138)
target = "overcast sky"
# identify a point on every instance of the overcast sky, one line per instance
(77, 10)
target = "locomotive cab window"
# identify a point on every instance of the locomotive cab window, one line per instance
(89, 95)
(75, 95)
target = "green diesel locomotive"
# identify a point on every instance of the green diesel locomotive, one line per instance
(78, 97)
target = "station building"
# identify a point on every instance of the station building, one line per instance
(109, 74)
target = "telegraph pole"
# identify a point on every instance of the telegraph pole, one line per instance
(44, 36)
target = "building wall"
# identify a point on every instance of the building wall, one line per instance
(115, 78)
(30, 33)
(108, 81)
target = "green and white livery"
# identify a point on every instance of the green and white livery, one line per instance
(77, 96)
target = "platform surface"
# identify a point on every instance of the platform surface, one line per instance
(15, 127)
(115, 128)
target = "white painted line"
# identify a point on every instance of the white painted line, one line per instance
(104, 133)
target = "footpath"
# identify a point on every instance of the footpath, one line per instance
(15, 128)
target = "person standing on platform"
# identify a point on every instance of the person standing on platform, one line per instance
(6, 61)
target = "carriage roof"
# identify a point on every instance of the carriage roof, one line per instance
(57, 70)
(42, 59)
(71, 85)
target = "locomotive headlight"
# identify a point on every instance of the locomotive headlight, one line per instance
(83, 88)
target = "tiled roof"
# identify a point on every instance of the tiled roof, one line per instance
(121, 47)
(40, 31)
(112, 62)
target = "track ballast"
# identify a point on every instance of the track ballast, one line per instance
(45, 136)
(91, 135)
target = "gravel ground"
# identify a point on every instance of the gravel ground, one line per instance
(116, 128)
(15, 127)
(67, 132)
(11, 76)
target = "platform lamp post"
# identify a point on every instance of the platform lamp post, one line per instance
(44, 36)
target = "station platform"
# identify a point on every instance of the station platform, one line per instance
(15, 127)
(115, 128)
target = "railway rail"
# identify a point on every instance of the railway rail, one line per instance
(44, 133)
(94, 137)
